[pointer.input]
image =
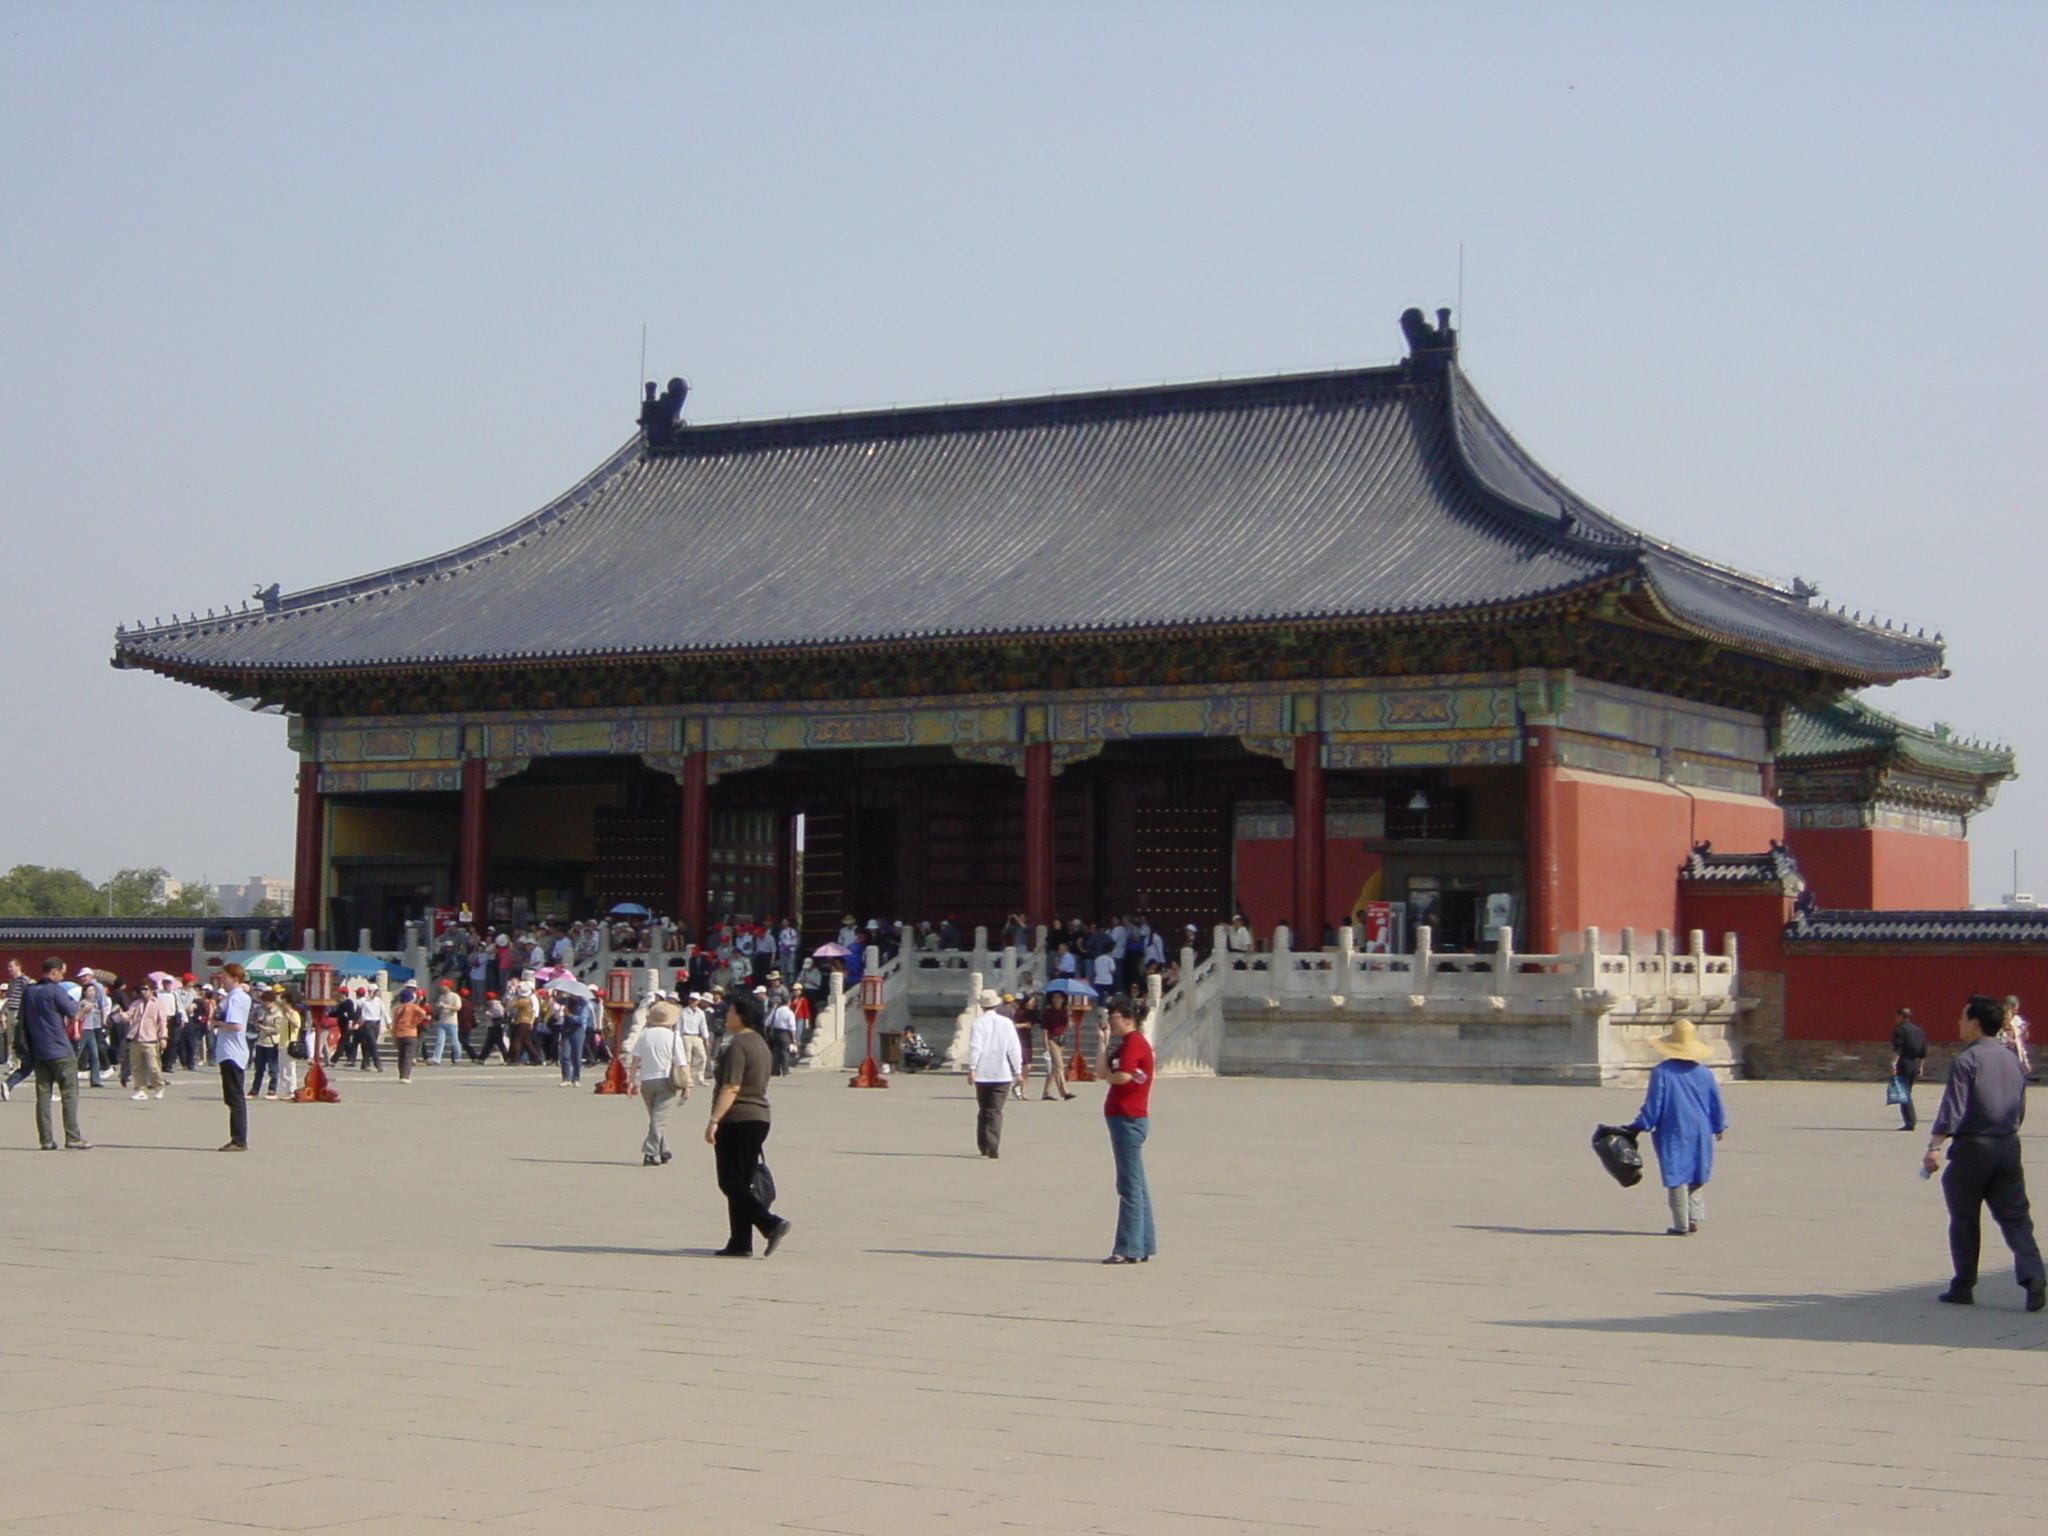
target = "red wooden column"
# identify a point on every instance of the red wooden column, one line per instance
(693, 850)
(309, 865)
(1540, 840)
(1038, 872)
(1308, 841)
(473, 874)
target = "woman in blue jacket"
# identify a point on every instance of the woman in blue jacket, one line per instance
(1682, 1112)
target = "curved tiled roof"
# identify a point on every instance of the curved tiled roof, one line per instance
(1848, 727)
(1774, 866)
(1361, 494)
(79, 930)
(1991, 926)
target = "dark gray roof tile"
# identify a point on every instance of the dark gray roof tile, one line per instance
(1992, 926)
(1362, 494)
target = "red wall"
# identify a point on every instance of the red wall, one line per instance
(1874, 868)
(1265, 880)
(129, 964)
(1852, 996)
(1620, 843)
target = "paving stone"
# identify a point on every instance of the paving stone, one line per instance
(1379, 1307)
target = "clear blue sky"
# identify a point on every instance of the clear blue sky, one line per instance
(296, 291)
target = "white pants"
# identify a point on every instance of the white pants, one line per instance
(1688, 1205)
(693, 1056)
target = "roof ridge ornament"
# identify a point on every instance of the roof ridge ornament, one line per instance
(661, 415)
(1431, 349)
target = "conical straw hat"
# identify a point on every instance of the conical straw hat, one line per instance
(1684, 1042)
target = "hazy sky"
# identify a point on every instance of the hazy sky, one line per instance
(297, 291)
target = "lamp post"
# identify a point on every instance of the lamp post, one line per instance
(319, 995)
(870, 1075)
(618, 1002)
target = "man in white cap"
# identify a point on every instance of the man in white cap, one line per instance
(996, 1063)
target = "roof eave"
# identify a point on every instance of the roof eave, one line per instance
(221, 675)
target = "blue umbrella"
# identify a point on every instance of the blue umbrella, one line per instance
(349, 963)
(1073, 988)
(629, 909)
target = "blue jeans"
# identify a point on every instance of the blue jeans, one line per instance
(569, 1051)
(92, 1053)
(449, 1036)
(262, 1059)
(1134, 1239)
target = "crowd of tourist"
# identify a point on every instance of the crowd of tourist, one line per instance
(67, 1027)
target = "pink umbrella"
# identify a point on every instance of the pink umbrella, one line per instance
(162, 976)
(830, 952)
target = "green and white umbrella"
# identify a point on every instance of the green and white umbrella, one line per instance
(274, 965)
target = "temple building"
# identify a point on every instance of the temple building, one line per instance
(1325, 648)
(1877, 810)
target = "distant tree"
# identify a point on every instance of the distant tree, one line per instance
(31, 890)
(192, 901)
(137, 893)
(268, 908)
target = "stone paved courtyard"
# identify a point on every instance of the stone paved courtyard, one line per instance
(465, 1307)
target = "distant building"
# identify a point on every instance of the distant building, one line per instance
(241, 900)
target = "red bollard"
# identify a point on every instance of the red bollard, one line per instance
(319, 997)
(1078, 1068)
(870, 1074)
(618, 1003)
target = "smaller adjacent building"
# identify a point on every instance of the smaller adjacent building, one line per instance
(1877, 810)
(1829, 982)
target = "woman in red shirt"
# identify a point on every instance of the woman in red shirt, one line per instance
(1127, 1064)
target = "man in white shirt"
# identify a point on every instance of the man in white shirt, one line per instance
(1104, 967)
(693, 1034)
(995, 1060)
(371, 1017)
(231, 1053)
(782, 1028)
(655, 1048)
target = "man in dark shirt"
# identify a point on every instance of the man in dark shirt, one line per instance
(739, 1128)
(1980, 1117)
(46, 1014)
(1909, 1059)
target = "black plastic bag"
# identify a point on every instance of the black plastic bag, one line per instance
(1616, 1148)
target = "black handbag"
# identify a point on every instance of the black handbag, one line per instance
(297, 1049)
(764, 1185)
(1615, 1146)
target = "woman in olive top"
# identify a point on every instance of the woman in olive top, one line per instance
(739, 1128)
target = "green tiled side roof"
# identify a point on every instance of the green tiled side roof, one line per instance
(1849, 727)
